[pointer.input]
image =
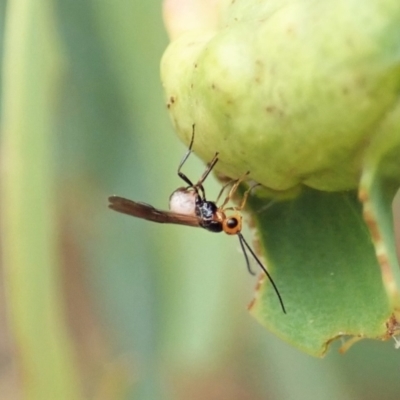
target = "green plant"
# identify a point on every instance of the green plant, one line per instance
(304, 95)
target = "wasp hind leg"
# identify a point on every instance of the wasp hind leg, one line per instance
(199, 185)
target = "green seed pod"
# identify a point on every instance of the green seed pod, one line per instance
(292, 92)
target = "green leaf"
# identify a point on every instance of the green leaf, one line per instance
(320, 254)
(43, 346)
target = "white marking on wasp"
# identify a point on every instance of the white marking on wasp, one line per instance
(183, 201)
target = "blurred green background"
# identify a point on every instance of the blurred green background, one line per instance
(99, 305)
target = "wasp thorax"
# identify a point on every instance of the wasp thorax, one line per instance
(232, 225)
(183, 201)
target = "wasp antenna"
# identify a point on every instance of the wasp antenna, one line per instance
(245, 254)
(244, 243)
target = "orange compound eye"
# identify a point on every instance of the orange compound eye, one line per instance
(232, 225)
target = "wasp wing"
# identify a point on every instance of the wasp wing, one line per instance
(148, 212)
